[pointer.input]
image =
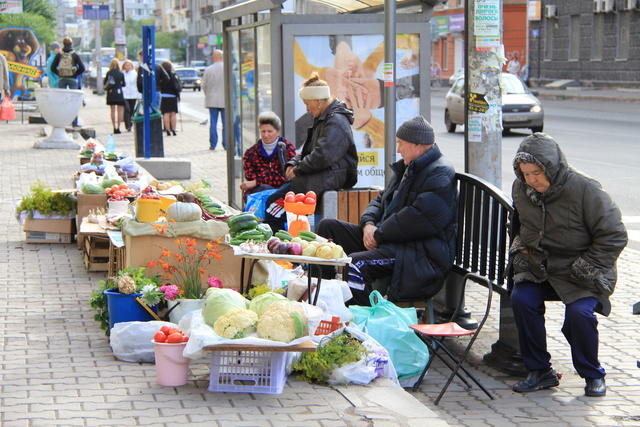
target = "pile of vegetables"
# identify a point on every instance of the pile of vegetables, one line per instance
(244, 227)
(306, 244)
(270, 315)
(209, 205)
(316, 367)
(46, 201)
(170, 335)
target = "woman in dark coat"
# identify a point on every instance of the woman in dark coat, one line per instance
(113, 84)
(329, 160)
(568, 236)
(169, 86)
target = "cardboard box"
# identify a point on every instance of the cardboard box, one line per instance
(44, 237)
(62, 226)
(142, 249)
(88, 202)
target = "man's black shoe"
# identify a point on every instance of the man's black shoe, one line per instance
(537, 380)
(595, 387)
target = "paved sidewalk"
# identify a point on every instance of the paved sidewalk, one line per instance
(56, 366)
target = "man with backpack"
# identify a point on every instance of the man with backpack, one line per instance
(67, 65)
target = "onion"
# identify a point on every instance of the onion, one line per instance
(295, 248)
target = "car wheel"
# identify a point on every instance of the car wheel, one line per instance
(536, 129)
(451, 127)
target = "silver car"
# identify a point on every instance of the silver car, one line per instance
(520, 108)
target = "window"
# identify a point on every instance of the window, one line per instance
(574, 38)
(597, 35)
(623, 21)
(548, 38)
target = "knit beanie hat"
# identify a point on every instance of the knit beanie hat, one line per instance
(54, 45)
(417, 131)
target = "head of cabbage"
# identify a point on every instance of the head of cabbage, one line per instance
(220, 301)
(261, 303)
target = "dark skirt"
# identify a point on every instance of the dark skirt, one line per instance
(115, 97)
(169, 105)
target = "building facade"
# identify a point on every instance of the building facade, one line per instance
(596, 42)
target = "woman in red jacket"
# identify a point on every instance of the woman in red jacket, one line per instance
(264, 162)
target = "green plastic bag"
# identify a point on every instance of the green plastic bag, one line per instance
(389, 325)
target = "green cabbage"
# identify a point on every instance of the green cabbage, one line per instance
(261, 303)
(220, 301)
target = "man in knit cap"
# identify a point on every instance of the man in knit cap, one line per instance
(408, 232)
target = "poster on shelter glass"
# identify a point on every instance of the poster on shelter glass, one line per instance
(352, 66)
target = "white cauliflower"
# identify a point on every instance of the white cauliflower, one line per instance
(235, 324)
(283, 322)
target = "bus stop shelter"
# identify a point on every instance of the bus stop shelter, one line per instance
(269, 52)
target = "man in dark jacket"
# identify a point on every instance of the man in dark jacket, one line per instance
(409, 231)
(67, 65)
(329, 160)
(568, 234)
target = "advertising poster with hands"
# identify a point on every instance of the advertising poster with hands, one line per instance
(352, 65)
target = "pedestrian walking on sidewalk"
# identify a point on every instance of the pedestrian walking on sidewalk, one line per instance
(568, 234)
(169, 86)
(213, 87)
(114, 83)
(53, 77)
(130, 92)
(5, 87)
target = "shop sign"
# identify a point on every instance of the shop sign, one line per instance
(456, 23)
(439, 26)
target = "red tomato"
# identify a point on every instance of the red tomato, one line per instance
(185, 338)
(309, 201)
(311, 194)
(290, 198)
(160, 337)
(165, 329)
(123, 186)
(174, 331)
(119, 193)
(300, 197)
(174, 338)
(290, 192)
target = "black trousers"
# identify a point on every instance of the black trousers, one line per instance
(129, 108)
(366, 266)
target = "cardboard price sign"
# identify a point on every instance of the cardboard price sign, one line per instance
(27, 70)
(477, 103)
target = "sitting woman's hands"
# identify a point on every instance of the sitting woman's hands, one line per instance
(248, 185)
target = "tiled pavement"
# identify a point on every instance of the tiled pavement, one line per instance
(56, 366)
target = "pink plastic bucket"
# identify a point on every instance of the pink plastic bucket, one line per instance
(171, 366)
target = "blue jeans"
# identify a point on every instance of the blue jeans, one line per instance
(213, 127)
(580, 328)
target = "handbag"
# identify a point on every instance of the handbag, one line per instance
(389, 325)
(7, 110)
(111, 82)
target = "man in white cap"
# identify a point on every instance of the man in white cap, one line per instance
(408, 232)
(329, 159)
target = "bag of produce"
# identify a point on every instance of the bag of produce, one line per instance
(110, 177)
(88, 184)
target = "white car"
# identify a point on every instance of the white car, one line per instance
(520, 107)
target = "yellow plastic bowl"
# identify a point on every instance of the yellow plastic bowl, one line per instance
(166, 201)
(148, 210)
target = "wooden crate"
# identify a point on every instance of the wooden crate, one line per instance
(117, 259)
(352, 203)
(96, 253)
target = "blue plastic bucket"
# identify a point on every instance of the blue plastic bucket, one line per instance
(125, 308)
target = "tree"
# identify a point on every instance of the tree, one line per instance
(172, 41)
(107, 33)
(40, 7)
(40, 26)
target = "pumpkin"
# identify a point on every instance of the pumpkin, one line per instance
(183, 212)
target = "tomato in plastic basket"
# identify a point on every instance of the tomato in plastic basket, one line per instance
(185, 338)
(160, 337)
(290, 198)
(309, 201)
(174, 338)
(173, 331)
(165, 329)
(300, 197)
(312, 194)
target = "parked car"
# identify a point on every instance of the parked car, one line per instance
(199, 65)
(189, 78)
(520, 107)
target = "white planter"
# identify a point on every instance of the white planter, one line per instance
(184, 306)
(58, 107)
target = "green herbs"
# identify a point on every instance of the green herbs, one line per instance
(259, 289)
(46, 201)
(340, 350)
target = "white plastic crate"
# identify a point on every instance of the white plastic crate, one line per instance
(248, 371)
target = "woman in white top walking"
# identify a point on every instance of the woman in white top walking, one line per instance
(130, 92)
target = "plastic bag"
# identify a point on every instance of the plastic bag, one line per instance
(110, 177)
(389, 325)
(7, 110)
(257, 202)
(128, 165)
(88, 184)
(131, 341)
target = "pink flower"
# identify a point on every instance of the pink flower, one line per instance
(170, 291)
(214, 282)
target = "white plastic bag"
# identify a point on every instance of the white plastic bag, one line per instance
(131, 341)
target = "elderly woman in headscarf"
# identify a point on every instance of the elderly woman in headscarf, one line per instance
(329, 159)
(568, 234)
